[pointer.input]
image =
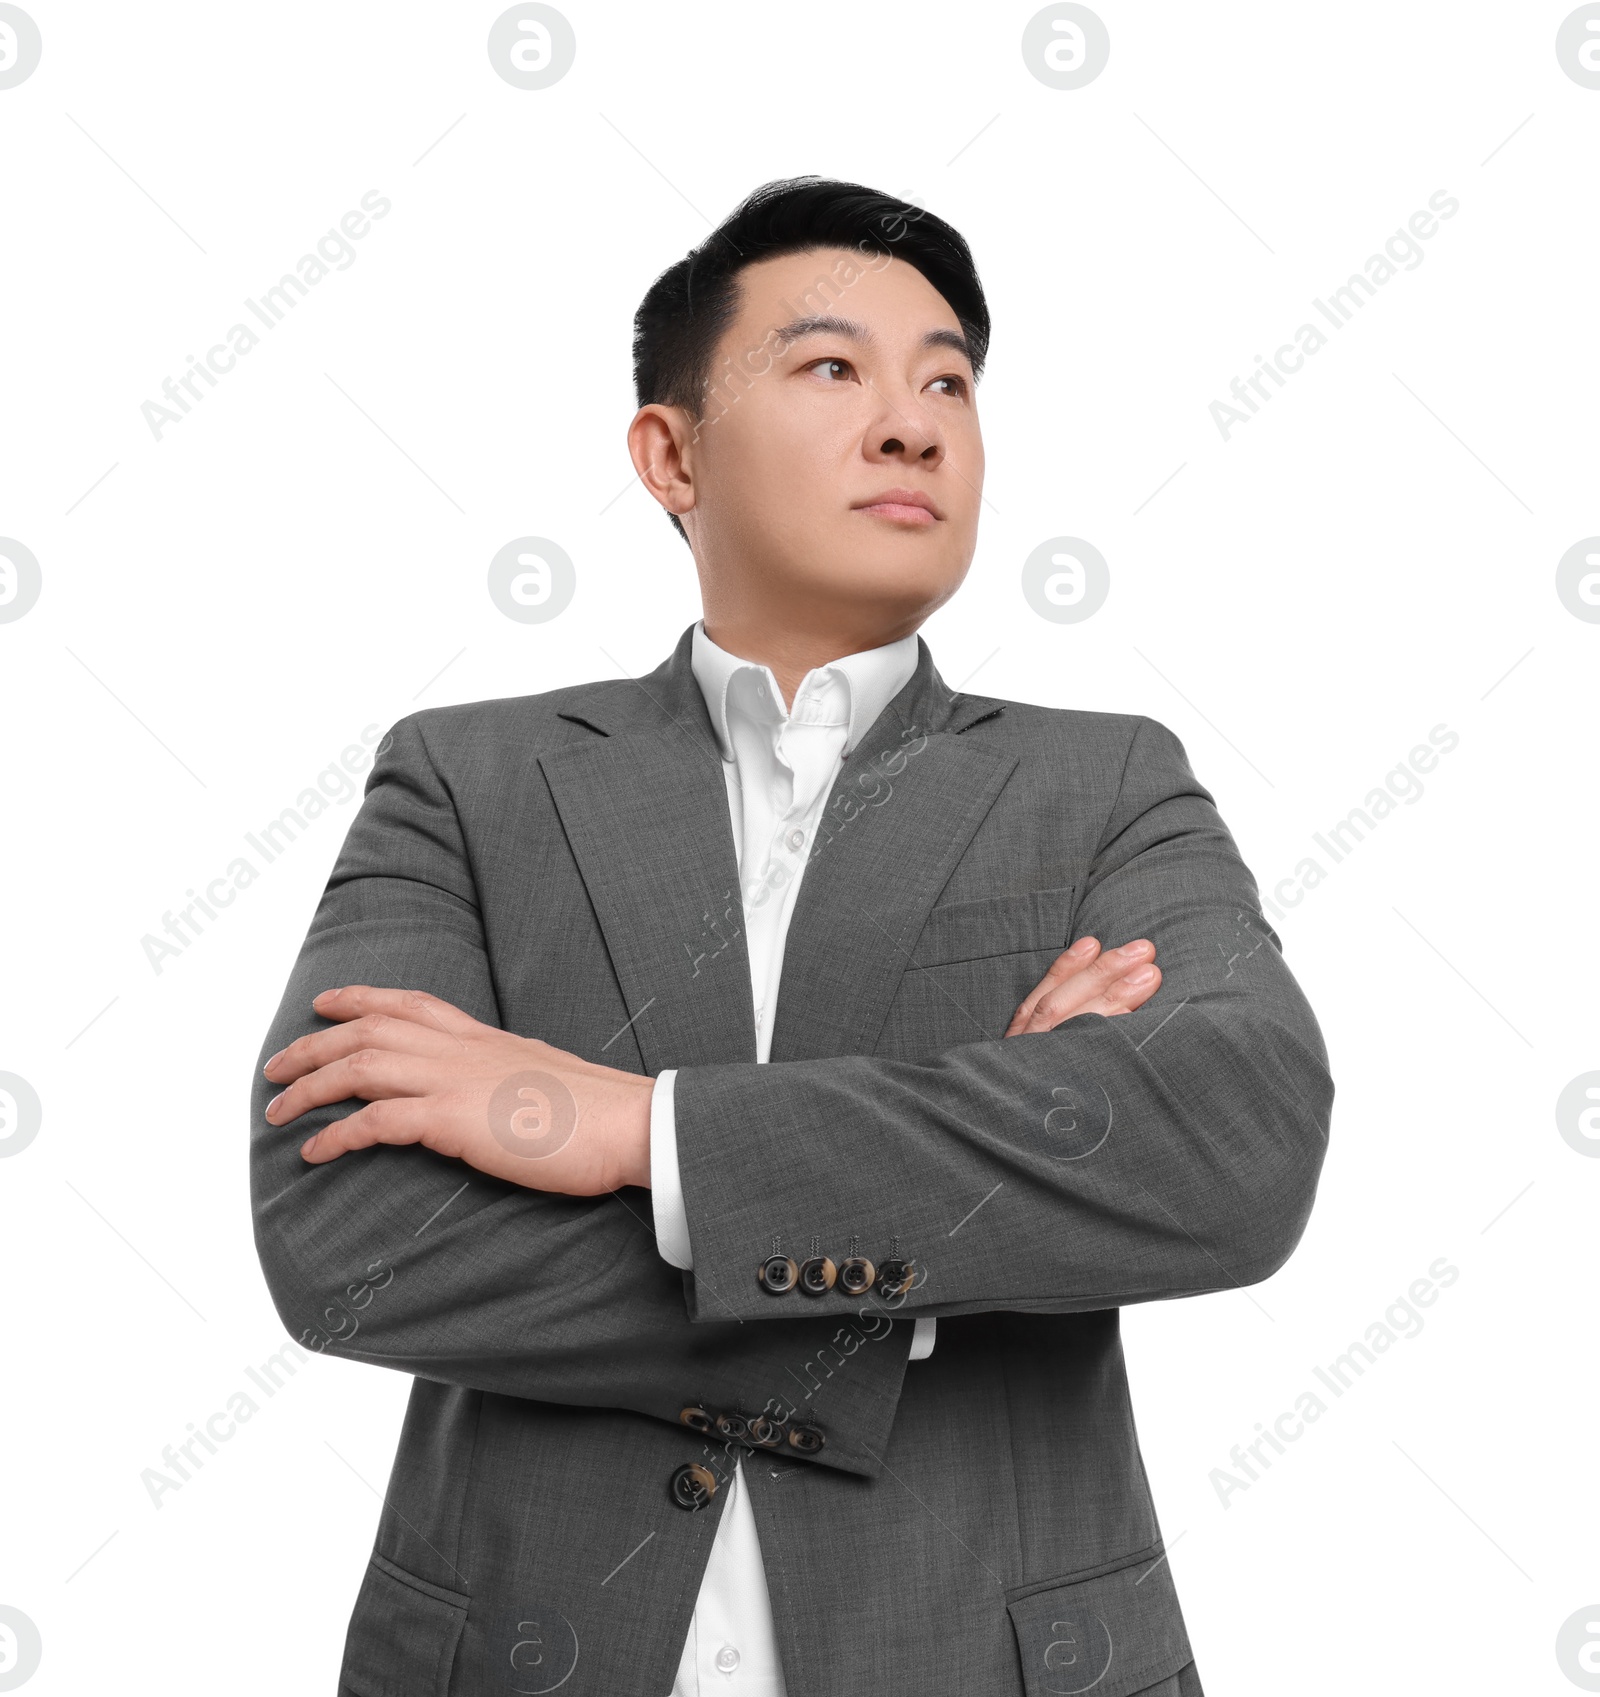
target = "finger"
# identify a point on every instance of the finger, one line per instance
(356, 1000)
(1077, 993)
(370, 1031)
(1064, 966)
(405, 1119)
(1121, 994)
(1132, 990)
(371, 1074)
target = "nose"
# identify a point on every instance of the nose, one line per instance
(903, 431)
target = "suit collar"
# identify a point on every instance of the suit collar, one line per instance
(862, 684)
(670, 697)
(644, 806)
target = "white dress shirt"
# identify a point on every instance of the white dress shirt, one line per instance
(780, 768)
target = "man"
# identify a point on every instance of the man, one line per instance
(768, 1342)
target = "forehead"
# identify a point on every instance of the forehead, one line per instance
(887, 296)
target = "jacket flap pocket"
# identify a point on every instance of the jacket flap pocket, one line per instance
(403, 1635)
(995, 925)
(1112, 1634)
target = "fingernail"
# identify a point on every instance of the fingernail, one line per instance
(1140, 976)
(322, 995)
(305, 1148)
(1083, 946)
(274, 1061)
(1132, 951)
(272, 1105)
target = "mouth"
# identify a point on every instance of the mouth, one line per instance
(902, 506)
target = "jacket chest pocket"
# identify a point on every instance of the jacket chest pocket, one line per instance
(970, 967)
(1035, 922)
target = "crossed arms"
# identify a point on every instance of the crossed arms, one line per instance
(539, 1277)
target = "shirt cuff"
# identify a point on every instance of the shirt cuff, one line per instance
(922, 1335)
(666, 1185)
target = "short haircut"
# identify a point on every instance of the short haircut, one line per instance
(685, 311)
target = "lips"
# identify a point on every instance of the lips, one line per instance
(903, 506)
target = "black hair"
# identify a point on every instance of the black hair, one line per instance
(685, 311)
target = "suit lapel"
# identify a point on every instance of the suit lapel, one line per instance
(907, 802)
(645, 809)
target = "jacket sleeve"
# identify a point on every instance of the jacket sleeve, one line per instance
(1163, 1153)
(407, 1259)
(672, 1222)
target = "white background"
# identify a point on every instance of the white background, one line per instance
(227, 607)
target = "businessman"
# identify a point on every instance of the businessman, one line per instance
(743, 1097)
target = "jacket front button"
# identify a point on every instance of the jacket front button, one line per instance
(777, 1274)
(693, 1486)
(817, 1276)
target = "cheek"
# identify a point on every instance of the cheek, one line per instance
(965, 491)
(731, 472)
(802, 466)
(965, 448)
(760, 449)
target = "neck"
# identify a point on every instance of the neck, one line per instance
(791, 652)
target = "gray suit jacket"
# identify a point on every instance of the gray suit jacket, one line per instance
(561, 866)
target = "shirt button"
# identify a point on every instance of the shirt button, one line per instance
(795, 840)
(727, 1659)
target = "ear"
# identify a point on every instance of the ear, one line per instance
(660, 443)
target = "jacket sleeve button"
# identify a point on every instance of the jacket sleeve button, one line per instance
(807, 1439)
(777, 1274)
(733, 1426)
(695, 1418)
(766, 1432)
(817, 1276)
(894, 1277)
(693, 1486)
(856, 1275)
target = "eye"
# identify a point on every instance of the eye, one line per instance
(957, 386)
(832, 370)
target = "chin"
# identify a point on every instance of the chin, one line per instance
(912, 580)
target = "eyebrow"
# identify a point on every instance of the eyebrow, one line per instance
(827, 324)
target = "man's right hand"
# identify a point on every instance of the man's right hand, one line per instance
(1083, 980)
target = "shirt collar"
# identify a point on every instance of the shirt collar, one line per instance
(869, 681)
